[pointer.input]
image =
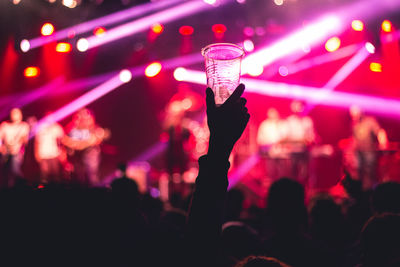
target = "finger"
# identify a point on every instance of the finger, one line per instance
(247, 118)
(235, 96)
(242, 101)
(210, 102)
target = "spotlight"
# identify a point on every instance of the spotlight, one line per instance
(386, 26)
(370, 48)
(157, 28)
(63, 47)
(125, 76)
(248, 31)
(82, 45)
(99, 31)
(47, 29)
(153, 69)
(255, 70)
(219, 28)
(332, 44)
(308, 35)
(375, 67)
(25, 45)
(248, 45)
(283, 71)
(186, 30)
(31, 72)
(210, 2)
(70, 3)
(180, 74)
(278, 2)
(357, 25)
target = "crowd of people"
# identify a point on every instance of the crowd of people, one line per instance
(66, 224)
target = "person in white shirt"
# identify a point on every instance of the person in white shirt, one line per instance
(271, 132)
(48, 151)
(301, 135)
(14, 136)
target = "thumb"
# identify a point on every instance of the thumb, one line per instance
(210, 99)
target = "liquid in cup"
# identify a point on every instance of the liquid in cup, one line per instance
(223, 62)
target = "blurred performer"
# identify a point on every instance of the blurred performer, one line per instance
(14, 136)
(271, 133)
(83, 139)
(30, 167)
(368, 138)
(176, 157)
(299, 137)
(47, 150)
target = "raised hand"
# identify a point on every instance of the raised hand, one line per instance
(226, 122)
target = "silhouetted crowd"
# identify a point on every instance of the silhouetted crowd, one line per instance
(67, 225)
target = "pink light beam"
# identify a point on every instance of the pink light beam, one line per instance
(323, 59)
(85, 99)
(315, 32)
(130, 28)
(103, 21)
(388, 107)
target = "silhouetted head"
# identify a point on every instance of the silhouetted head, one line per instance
(122, 167)
(261, 261)
(239, 240)
(125, 189)
(16, 115)
(380, 241)
(386, 198)
(325, 217)
(285, 205)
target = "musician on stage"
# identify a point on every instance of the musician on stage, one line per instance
(271, 132)
(14, 136)
(368, 138)
(83, 139)
(300, 135)
(47, 150)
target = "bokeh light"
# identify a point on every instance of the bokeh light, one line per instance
(99, 31)
(63, 47)
(25, 45)
(82, 45)
(357, 25)
(332, 44)
(31, 72)
(125, 76)
(375, 67)
(47, 29)
(180, 74)
(386, 26)
(157, 28)
(153, 69)
(248, 45)
(186, 30)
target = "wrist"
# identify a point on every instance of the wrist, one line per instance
(219, 150)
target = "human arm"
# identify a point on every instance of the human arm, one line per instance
(226, 124)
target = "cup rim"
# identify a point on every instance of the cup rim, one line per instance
(226, 44)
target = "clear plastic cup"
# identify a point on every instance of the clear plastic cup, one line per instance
(222, 62)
